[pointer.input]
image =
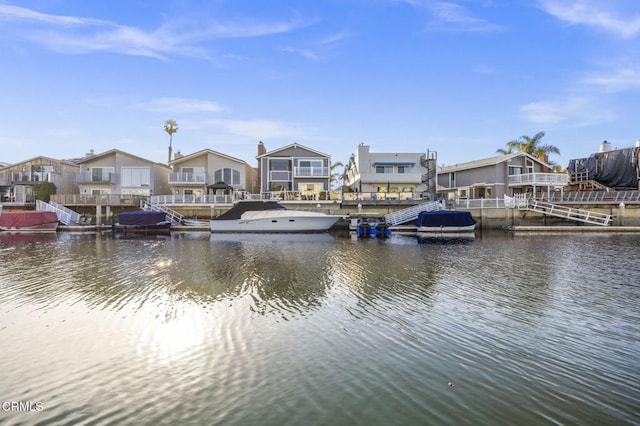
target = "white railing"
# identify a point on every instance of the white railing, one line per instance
(556, 179)
(191, 199)
(182, 178)
(90, 178)
(311, 171)
(478, 203)
(279, 175)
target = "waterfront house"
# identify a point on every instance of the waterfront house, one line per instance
(498, 176)
(118, 173)
(609, 168)
(294, 170)
(17, 181)
(208, 172)
(388, 175)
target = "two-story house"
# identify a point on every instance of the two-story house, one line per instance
(498, 176)
(391, 173)
(121, 173)
(17, 181)
(199, 173)
(294, 168)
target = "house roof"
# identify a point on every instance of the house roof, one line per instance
(491, 161)
(113, 152)
(293, 145)
(68, 162)
(205, 151)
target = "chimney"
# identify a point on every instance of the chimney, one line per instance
(261, 151)
(90, 153)
(261, 148)
(177, 155)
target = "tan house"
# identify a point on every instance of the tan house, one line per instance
(118, 172)
(17, 181)
(498, 176)
(207, 171)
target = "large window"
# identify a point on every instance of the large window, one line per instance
(228, 176)
(404, 169)
(101, 174)
(136, 176)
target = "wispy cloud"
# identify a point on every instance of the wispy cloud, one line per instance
(305, 53)
(181, 106)
(255, 129)
(602, 15)
(574, 111)
(454, 17)
(618, 81)
(69, 34)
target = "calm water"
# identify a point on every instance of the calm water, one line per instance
(320, 329)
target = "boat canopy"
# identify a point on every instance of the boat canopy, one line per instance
(26, 219)
(445, 218)
(142, 217)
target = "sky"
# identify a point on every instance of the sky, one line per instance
(459, 78)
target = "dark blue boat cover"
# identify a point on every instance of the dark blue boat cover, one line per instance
(141, 218)
(440, 218)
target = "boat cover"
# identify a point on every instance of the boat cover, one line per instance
(615, 169)
(141, 218)
(236, 211)
(26, 219)
(440, 218)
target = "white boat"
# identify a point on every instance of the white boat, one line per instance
(270, 216)
(445, 222)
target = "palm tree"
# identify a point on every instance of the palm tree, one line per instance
(530, 145)
(170, 126)
(335, 176)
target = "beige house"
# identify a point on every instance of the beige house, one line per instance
(207, 171)
(17, 181)
(118, 172)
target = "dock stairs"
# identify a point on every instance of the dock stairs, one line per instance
(173, 216)
(556, 210)
(411, 213)
(65, 215)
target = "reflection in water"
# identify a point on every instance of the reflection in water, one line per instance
(276, 329)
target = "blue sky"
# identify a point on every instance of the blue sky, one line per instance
(458, 77)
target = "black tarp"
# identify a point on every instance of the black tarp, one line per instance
(440, 218)
(616, 169)
(141, 218)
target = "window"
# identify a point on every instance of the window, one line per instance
(515, 170)
(136, 176)
(279, 164)
(310, 163)
(101, 174)
(404, 169)
(227, 175)
(384, 169)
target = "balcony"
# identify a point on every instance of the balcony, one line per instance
(319, 172)
(279, 175)
(539, 179)
(395, 178)
(199, 178)
(104, 178)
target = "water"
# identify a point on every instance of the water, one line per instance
(321, 329)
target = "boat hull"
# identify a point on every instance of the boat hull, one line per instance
(446, 229)
(276, 223)
(45, 227)
(158, 228)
